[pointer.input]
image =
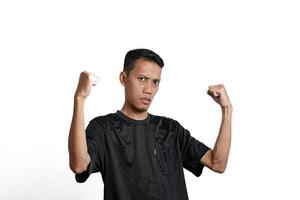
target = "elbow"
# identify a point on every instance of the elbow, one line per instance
(78, 169)
(219, 168)
(79, 166)
(218, 164)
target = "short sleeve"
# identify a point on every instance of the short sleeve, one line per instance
(96, 149)
(191, 150)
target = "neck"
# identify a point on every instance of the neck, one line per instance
(133, 113)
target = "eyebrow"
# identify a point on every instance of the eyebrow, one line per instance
(147, 77)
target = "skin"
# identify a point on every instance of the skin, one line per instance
(78, 153)
(217, 158)
(140, 86)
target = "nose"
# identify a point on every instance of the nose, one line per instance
(148, 87)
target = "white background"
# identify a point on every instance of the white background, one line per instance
(253, 47)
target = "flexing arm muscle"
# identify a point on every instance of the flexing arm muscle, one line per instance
(79, 158)
(217, 158)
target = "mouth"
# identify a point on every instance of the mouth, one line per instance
(146, 100)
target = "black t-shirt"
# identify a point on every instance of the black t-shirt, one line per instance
(141, 159)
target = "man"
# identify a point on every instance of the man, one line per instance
(139, 155)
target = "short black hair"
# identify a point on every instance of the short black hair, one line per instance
(135, 54)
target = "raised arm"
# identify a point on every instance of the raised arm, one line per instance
(79, 158)
(217, 158)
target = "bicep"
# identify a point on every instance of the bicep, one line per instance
(207, 159)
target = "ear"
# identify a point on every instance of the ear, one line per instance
(123, 78)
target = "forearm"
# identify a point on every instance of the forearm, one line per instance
(223, 142)
(78, 154)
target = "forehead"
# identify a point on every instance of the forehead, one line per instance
(147, 68)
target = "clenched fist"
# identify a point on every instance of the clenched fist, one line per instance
(86, 81)
(219, 94)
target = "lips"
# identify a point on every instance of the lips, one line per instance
(146, 100)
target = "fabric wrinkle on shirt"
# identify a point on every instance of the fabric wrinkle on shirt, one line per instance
(141, 159)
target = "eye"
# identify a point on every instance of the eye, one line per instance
(156, 82)
(141, 78)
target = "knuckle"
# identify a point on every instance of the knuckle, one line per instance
(83, 74)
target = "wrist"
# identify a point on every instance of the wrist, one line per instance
(79, 99)
(227, 108)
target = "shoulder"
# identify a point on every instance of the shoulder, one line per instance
(165, 121)
(103, 117)
(103, 120)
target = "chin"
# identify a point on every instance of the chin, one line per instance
(139, 107)
(142, 108)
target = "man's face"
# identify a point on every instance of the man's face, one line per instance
(142, 84)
